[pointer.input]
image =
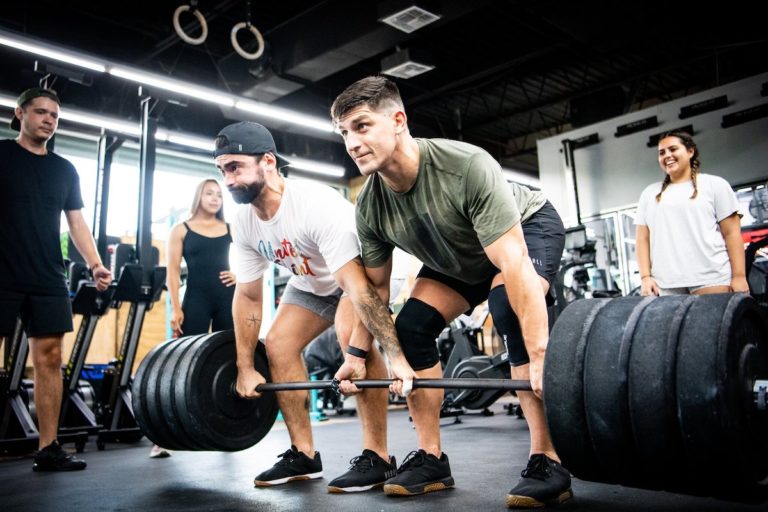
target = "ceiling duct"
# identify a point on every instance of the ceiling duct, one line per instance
(410, 19)
(328, 44)
(406, 64)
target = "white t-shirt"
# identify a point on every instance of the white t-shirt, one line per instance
(312, 234)
(687, 247)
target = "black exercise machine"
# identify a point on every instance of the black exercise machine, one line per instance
(18, 432)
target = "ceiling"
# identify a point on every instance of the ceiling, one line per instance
(506, 72)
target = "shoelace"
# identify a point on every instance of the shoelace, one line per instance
(361, 463)
(538, 467)
(288, 456)
(413, 459)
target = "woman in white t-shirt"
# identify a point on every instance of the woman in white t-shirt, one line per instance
(688, 227)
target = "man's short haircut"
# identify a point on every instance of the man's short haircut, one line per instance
(374, 91)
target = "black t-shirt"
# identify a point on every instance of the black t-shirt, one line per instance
(34, 190)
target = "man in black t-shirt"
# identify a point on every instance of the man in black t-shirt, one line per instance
(36, 185)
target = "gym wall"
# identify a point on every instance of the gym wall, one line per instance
(612, 173)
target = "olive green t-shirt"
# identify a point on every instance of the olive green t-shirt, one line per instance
(459, 204)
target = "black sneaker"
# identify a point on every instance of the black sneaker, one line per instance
(420, 472)
(293, 465)
(54, 458)
(367, 471)
(543, 482)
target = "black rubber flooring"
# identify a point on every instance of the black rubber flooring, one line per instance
(487, 454)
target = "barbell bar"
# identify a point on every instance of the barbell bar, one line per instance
(510, 385)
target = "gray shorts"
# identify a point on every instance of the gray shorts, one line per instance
(323, 306)
(691, 289)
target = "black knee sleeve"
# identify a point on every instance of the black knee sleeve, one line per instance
(418, 324)
(507, 325)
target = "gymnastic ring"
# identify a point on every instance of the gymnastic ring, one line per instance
(180, 31)
(239, 49)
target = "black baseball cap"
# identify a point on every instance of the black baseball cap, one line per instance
(27, 96)
(247, 138)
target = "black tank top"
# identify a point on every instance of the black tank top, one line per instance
(205, 257)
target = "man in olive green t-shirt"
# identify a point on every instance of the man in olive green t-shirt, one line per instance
(447, 203)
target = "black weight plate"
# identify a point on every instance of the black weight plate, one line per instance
(166, 398)
(163, 434)
(722, 350)
(213, 411)
(139, 392)
(606, 363)
(652, 400)
(564, 387)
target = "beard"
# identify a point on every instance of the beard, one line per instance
(244, 194)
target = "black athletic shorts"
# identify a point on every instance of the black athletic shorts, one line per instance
(544, 235)
(41, 315)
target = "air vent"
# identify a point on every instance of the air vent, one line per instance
(406, 63)
(410, 19)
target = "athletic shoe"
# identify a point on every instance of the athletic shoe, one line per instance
(158, 452)
(54, 458)
(543, 482)
(293, 465)
(420, 472)
(366, 471)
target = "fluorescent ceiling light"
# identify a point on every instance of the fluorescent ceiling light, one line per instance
(190, 141)
(336, 171)
(175, 86)
(281, 114)
(85, 118)
(114, 125)
(63, 56)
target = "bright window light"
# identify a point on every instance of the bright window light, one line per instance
(520, 177)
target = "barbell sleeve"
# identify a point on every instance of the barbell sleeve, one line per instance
(516, 385)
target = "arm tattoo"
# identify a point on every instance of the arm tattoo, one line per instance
(375, 316)
(253, 320)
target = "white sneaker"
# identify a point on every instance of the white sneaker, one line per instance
(158, 452)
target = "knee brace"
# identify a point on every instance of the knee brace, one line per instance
(418, 324)
(507, 325)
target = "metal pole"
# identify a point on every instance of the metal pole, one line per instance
(146, 179)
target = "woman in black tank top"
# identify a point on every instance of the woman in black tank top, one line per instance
(203, 241)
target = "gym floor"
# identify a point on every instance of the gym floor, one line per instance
(487, 454)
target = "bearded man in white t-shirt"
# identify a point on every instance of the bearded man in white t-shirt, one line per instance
(308, 228)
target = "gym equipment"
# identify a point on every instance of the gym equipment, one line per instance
(76, 413)
(18, 432)
(466, 360)
(141, 289)
(661, 393)
(578, 259)
(192, 406)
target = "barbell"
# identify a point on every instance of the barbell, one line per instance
(659, 393)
